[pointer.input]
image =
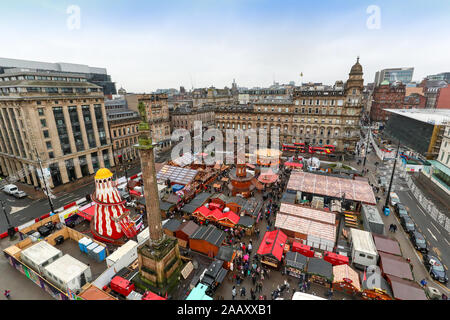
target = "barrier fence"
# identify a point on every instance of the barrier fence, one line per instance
(428, 205)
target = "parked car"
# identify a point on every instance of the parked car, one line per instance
(400, 209)
(19, 194)
(393, 199)
(407, 224)
(10, 189)
(435, 268)
(419, 241)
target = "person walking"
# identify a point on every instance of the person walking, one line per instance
(233, 293)
(243, 292)
(252, 294)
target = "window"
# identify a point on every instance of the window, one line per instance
(46, 134)
(50, 155)
(41, 111)
(362, 255)
(49, 144)
(43, 123)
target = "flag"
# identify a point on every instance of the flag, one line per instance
(365, 278)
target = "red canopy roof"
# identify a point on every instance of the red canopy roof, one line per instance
(273, 244)
(268, 178)
(204, 211)
(87, 213)
(293, 164)
(218, 214)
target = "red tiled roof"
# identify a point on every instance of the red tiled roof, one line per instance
(273, 244)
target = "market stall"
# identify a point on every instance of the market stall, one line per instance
(346, 279)
(295, 263)
(375, 287)
(227, 255)
(320, 271)
(185, 231)
(403, 289)
(207, 240)
(271, 248)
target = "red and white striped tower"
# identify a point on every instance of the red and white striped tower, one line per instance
(111, 219)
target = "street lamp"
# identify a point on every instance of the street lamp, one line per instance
(11, 229)
(45, 183)
(392, 178)
(369, 131)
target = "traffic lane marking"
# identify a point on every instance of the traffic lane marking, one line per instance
(432, 234)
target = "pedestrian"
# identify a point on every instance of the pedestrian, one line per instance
(233, 293)
(249, 248)
(254, 279)
(252, 294)
(423, 282)
(268, 273)
(243, 292)
(308, 285)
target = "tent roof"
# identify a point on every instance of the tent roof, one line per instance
(405, 289)
(356, 190)
(395, 266)
(344, 271)
(387, 245)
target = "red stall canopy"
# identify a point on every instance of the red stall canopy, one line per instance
(273, 244)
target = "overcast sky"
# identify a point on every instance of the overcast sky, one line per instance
(146, 45)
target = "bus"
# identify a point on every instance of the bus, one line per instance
(331, 147)
(289, 147)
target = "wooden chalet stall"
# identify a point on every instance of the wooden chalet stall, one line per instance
(346, 279)
(247, 223)
(295, 263)
(227, 219)
(185, 231)
(272, 247)
(207, 240)
(320, 271)
(171, 226)
(227, 255)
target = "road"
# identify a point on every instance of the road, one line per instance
(437, 238)
(21, 211)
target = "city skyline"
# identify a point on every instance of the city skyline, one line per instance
(199, 44)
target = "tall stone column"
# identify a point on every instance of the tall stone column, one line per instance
(151, 194)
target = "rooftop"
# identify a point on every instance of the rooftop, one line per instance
(356, 190)
(432, 116)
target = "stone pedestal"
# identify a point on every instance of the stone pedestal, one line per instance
(160, 265)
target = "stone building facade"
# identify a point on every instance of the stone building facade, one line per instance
(58, 117)
(386, 96)
(123, 124)
(316, 114)
(157, 115)
(184, 117)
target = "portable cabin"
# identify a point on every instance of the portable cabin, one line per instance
(123, 256)
(364, 252)
(39, 255)
(68, 273)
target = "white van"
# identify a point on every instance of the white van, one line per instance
(10, 189)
